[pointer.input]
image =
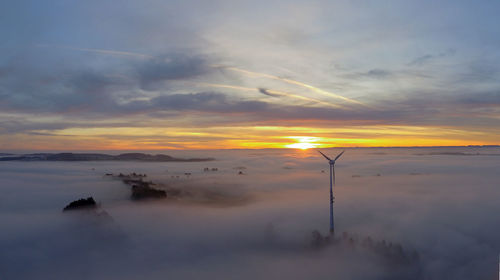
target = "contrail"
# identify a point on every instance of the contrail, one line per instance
(293, 82)
(227, 86)
(273, 93)
(101, 51)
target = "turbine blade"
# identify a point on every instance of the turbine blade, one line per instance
(324, 155)
(339, 155)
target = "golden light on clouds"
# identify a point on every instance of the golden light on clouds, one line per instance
(244, 137)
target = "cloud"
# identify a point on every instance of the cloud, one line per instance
(266, 92)
(421, 60)
(202, 102)
(480, 100)
(479, 72)
(377, 74)
(372, 74)
(177, 66)
(26, 86)
(99, 51)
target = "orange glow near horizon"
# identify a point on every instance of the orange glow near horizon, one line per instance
(243, 137)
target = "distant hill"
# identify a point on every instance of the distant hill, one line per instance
(99, 157)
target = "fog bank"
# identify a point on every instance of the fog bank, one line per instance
(255, 225)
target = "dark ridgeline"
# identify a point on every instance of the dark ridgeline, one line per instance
(187, 193)
(140, 189)
(90, 212)
(100, 157)
(145, 191)
(83, 203)
(391, 254)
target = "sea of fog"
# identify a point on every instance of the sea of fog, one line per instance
(440, 202)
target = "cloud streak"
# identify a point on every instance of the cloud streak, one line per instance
(99, 51)
(421, 60)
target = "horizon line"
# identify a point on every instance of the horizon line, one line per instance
(229, 149)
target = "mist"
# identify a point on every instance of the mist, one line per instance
(439, 202)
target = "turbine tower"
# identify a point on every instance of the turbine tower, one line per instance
(332, 183)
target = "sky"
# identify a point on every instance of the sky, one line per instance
(149, 75)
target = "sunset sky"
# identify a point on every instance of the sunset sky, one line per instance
(95, 75)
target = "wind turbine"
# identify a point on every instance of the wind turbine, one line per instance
(332, 183)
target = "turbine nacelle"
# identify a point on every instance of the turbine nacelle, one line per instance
(331, 161)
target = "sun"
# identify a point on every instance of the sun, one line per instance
(303, 142)
(302, 146)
